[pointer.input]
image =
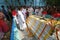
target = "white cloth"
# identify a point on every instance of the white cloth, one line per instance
(24, 13)
(21, 20)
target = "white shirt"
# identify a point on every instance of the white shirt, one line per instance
(21, 20)
(20, 14)
(24, 11)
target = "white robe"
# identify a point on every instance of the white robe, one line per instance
(24, 12)
(21, 20)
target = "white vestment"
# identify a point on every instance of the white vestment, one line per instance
(21, 20)
(24, 13)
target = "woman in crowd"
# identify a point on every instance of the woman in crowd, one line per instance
(3, 25)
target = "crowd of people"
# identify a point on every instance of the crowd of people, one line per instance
(26, 11)
(20, 13)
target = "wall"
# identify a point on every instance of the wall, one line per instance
(28, 2)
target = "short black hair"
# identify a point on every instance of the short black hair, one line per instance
(19, 8)
(12, 8)
(2, 6)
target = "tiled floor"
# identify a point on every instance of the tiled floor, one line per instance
(23, 36)
(26, 37)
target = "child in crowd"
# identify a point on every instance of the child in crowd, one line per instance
(3, 25)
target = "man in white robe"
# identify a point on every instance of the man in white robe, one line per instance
(21, 20)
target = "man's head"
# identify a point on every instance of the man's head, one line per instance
(1, 15)
(20, 8)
